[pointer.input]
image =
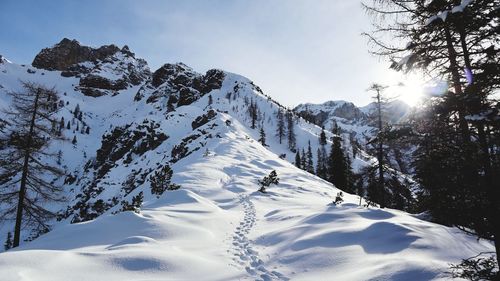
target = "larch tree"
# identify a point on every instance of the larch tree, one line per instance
(27, 170)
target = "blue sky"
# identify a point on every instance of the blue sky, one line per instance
(297, 51)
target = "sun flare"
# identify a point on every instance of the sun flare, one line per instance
(408, 88)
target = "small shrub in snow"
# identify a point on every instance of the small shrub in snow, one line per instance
(272, 178)
(8, 242)
(339, 198)
(476, 268)
(135, 205)
(160, 181)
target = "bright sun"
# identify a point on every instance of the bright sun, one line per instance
(408, 88)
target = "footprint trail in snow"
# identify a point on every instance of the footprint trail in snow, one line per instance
(245, 255)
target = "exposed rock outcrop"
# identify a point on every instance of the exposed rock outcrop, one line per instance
(181, 85)
(104, 70)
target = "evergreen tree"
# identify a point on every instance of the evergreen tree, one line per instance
(303, 160)
(8, 242)
(290, 131)
(338, 164)
(68, 126)
(456, 155)
(74, 140)
(321, 169)
(27, 137)
(298, 161)
(309, 162)
(135, 205)
(272, 178)
(262, 134)
(322, 136)
(280, 130)
(87, 130)
(253, 111)
(161, 181)
(210, 100)
(61, 124)
(76, 111)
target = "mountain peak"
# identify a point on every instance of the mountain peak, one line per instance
(69, 52)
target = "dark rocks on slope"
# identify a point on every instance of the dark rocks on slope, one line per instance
(203, 119)
(69, 52)
(182, 85)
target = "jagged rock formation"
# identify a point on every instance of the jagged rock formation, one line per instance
(180, 84)
(104, 70)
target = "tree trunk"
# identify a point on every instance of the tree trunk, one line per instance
(24, 176)
(380, 154)
(452, 55)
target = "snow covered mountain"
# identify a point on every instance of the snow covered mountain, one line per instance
(351, 119)
(129, 122)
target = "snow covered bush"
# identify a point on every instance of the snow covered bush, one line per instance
(160, 181)
(135, 205)
(272, 178)
(339, 198)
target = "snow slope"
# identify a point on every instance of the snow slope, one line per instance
(216, 227)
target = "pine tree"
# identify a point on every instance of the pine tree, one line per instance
(74, 140)
(298, 161)
(87, 130)
(210, 100)
(309, 162)
(8, 242)
(322, 136)
(338, 165)
(135, 205)
(28, 135)
(161, 181)
(68, 126)
(280, 130)
(320, 164)
(61, 124)
(303, 160)
(253, 111)
(290, 131)
(272, 178)
(456, 155)
(262, 134)
(76, 111)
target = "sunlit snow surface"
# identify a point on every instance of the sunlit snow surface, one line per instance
(217, 227)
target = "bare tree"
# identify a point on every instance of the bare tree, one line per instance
(27, 175)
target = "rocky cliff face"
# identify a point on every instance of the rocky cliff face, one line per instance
(180, 85)
(68, 53)
(102, 71)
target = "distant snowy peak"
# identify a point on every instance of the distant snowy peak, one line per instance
(395, 111)
(102, 71)
(324, 112)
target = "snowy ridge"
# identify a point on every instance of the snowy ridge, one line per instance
(217, 226)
